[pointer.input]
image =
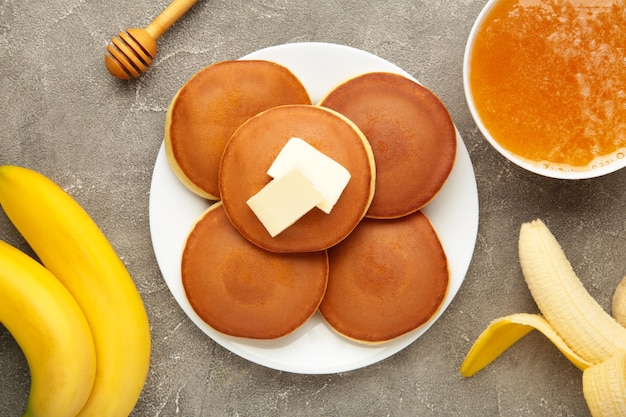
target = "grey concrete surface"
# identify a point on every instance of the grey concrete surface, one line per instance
(62, 114)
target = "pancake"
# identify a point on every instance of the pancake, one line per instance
(211, 105)
(253, 148)
(411, 133)
(244, 291)
(386, 279)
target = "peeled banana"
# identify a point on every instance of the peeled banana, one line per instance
(578, 326)
(589, 330)
(51, 330)
(604, 387)
(619, 303)
(73, 248)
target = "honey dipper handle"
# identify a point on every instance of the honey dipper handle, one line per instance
(168, 17)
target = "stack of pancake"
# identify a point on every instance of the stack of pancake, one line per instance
(374, 266)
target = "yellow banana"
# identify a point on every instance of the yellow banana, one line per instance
(502, 333)
(562, 299)
(51, 330)
(578, 326)
(619, 303)
(604, 387)
(74, 249)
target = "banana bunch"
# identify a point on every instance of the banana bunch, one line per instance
(90, 341)
(570, 318)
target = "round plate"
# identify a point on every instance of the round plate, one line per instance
(315, 348)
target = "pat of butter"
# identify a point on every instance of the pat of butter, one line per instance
(284, 200)
(327, 175)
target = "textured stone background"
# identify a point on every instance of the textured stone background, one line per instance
(62, 114)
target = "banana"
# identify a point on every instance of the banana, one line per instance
(577, 325)
(73, 248)
(51, 330)
(502, 333)
(618, 308)
(562, 299)
(604, 387)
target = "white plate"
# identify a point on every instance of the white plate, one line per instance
(315, 348)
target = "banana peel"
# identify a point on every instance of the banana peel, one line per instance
(504, 332)
(590, 338)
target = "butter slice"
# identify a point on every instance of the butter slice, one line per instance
(284, 200)
(327, 175)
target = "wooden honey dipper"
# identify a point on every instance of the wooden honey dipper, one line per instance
(131, 52)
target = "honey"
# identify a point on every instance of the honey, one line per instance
(548, 80)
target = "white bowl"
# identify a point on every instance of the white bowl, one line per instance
(599, 168)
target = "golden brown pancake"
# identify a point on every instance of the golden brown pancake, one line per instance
(253, 148)
(386, 279)
(242, 290)
(412, 136)
(211, 105)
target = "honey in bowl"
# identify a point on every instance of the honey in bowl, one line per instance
(547, 80)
